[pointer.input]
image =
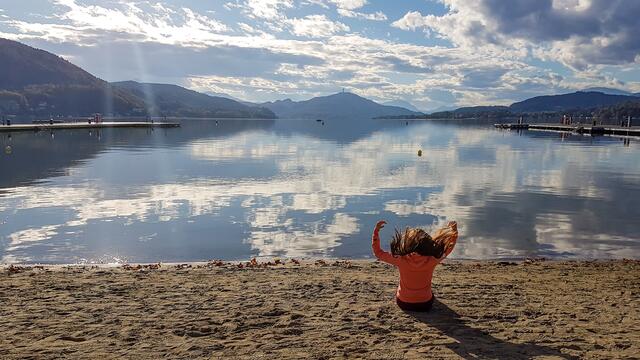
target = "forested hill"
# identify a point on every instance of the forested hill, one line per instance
(576, 100)
(175, 100)
(37, 83)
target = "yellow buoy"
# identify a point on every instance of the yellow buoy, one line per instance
(419, 152)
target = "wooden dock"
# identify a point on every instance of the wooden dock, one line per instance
(86, 125)
(576, 128)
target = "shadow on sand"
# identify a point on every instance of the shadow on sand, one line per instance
(472, 343)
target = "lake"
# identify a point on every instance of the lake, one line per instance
(234, 189)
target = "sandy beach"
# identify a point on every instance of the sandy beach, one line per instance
(320, 310)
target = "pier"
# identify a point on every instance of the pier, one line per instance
(85, 125)
(577, 128)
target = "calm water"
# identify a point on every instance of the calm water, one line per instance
(238, 189)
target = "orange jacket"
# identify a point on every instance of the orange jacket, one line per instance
(416, 272)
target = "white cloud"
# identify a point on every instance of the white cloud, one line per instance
(322, 180)
(571, 5)
(575, 32)
(139, 21)
(478, 45)
(347, 8)
(267, 9)
(248, 28)
(410, 21)
(316, 26)
(349, 4)
(377, 16)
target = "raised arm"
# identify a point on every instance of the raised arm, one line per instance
(377, 250)
(451, 238)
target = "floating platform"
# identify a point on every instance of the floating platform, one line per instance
(86, 125)
(577, 128)
(512, 126)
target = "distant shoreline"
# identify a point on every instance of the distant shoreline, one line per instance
(304, 261)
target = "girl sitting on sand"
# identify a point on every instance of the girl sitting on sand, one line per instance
(416, 254)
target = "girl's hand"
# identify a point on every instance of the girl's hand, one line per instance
(379, 226)
(453, 225)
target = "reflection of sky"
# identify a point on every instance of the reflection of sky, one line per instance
(271, 191)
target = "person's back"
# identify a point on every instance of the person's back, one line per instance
(416, 255)
(416, 272)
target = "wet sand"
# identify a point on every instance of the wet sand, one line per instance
(321, 310)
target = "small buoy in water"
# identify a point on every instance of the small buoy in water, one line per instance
(8, 150)
(419, 152)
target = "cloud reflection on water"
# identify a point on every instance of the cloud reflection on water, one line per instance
(512, 196)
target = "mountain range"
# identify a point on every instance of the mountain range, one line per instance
(175, 100)
(576, 103)
(344, 104)
(563, 102)
(34, 82)
(37, 83)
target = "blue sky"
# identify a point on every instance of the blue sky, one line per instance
(431, 53)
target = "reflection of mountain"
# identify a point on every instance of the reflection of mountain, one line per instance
(237, 190)
(335, 130)
(340, 105)
(37, 156)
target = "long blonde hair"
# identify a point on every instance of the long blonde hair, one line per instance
(419, 241)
